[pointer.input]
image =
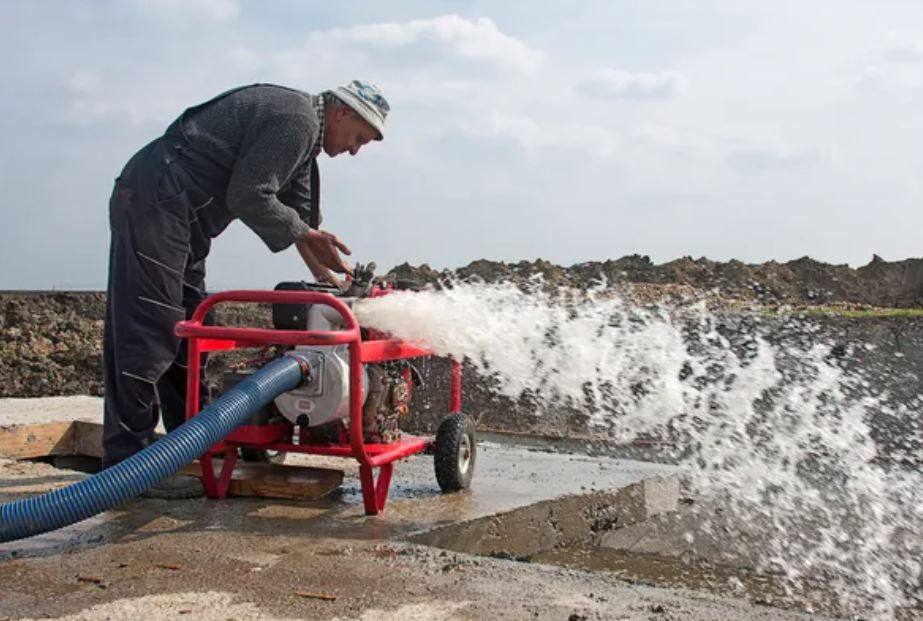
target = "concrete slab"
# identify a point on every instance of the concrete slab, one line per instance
(50, 410)
(506, 478)
(259, 559)
(256, 558)
(38, 410)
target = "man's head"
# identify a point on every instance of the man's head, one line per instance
(353, 115)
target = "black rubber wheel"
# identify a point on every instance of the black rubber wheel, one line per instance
(456, 450)
(261, 456)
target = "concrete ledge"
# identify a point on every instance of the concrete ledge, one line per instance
(567, 521)
(524, 500)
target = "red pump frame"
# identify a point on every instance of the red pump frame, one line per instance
(202, 338)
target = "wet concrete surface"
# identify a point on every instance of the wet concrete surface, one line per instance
(705, 546)
(249, 558)
(506, 478)
(669, 571)
(213, 576)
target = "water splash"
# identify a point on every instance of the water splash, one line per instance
(775, 428)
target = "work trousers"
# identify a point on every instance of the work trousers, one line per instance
(156, 278)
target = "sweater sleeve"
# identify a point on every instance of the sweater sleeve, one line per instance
(297, 194)
(271, 151)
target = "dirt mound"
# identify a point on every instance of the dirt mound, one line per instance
(801, 282)
(50, 343)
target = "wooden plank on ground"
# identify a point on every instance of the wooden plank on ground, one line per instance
(88, 438)
(41, 440)
(267, 480)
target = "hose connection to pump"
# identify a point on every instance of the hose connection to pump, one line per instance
(111, 487)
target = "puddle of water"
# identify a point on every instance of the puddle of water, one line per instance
(770, 590)
(766, 420)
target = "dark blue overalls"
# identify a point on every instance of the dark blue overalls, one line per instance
(166, 207)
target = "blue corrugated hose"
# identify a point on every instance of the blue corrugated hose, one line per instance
(127, 479)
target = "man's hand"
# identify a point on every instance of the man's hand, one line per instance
(321, 253)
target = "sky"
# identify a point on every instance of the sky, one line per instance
(568, 131)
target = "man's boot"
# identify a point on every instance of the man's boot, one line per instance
(175, 487)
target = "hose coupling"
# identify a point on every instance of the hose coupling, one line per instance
(306, 371)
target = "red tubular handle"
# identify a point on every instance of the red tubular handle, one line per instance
(193, 328)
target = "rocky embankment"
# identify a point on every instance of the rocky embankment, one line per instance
(51, 341)
(803, 282)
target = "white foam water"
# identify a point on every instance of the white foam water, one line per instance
(779, 433)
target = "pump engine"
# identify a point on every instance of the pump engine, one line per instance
(322, 402)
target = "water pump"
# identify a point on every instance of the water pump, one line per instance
(358, 386)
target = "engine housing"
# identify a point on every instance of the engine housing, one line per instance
(325, 396)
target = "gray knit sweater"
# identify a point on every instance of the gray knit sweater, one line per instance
(253, 150)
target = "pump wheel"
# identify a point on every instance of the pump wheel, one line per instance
(261, 455)
(455, 453)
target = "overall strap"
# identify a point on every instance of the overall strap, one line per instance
(314, 216)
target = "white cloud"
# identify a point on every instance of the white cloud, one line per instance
(765, 158)
(84, 82)
(891, 75)
(617, 84)
(427, 69)
(246, 60)
(476, 40)
(99, 98)
(897, 63)
(668, 139)
(425, 92)
(88, 103)
(531, 134)
(901, 49)
(171, 10)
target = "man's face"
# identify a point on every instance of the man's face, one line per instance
(345, 131)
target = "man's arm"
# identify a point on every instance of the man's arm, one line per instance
(270, 153)
(298, 194)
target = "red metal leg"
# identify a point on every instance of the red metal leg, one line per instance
(208, 476)
(218, 487)
(193, 362)
(366, 478)
(384, 483)
(375, 495)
